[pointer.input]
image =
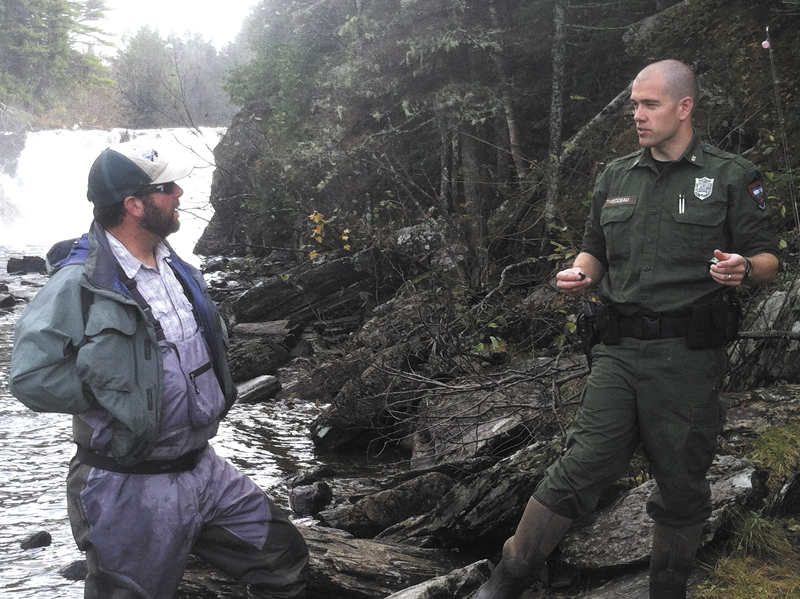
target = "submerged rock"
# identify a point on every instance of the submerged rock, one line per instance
(36, 540)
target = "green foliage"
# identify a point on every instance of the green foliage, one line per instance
(760, 562)
(778, 450)
(40, 51)
(757, 536)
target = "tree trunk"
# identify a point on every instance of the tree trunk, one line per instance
(508, 106)
(556, 118)
(472, 220)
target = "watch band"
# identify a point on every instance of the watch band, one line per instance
(748, 269)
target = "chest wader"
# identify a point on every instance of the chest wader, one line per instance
(537, 535)
(138, 529)
(139, 524)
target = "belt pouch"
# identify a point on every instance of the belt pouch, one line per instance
(714, 324)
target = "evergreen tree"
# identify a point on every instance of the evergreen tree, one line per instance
(39, 58)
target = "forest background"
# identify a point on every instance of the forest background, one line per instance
(388, 113)
(482, 124)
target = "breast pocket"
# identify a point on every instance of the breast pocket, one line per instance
(205, 398)
(108, 360)
(617, 223)
(699, 229)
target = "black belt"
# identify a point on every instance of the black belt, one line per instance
(653, 327)
(184, 463)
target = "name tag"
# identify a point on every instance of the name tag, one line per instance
(620, 201)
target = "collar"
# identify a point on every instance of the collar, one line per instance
(693, 154)
(129, 263)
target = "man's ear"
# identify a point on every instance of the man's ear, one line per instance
(134, 206)
(685, 106)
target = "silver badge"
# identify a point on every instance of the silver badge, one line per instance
(703, 187)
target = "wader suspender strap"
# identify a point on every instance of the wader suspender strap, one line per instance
(130, 284)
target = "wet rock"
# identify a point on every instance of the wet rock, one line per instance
(308, 500)
(11, 146)
(345, 567)
(36, 540)
(307, 478)
(786, 503)
(374, 513)
(252, 358)
(26, 265)
(76, 571)
(258, 389)
(458, 584)
(481, 511)
(7, 301)
(626, 529)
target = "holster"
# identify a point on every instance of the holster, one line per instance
(587, 332)
(595, 323)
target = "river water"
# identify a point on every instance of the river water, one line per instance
(267, 441)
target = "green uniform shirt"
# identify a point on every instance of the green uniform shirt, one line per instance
(655, 232)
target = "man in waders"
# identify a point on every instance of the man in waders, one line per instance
(125, 337)
(673, 229)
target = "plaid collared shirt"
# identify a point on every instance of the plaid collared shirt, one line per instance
(160, 288)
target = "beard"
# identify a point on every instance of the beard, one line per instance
(161, 222)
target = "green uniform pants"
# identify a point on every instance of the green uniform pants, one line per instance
(657, 393)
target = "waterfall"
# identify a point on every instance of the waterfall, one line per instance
(43, 200)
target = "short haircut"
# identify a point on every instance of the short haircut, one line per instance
(679, 79)
(111, 216)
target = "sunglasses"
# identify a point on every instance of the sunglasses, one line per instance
(167, 188)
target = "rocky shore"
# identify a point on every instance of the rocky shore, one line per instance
(477, 436)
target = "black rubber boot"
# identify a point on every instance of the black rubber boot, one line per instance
(672, 559)
(538, 532)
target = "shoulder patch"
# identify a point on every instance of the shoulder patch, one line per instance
(756, 190)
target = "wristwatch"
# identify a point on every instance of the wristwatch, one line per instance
(748, 269)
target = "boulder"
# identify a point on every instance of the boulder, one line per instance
(481, 511)
(374, 513)
(307, 500)
(7, 301)
(36, 540)
(26, 265)
(626, 529)
(254, 357)
(330, 289)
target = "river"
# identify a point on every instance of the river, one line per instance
(47, 192)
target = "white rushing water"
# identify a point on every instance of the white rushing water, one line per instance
(266, 441)
(48, 190)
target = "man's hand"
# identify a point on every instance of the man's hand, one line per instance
(573, 281)
(729, 270)
(585, 272)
